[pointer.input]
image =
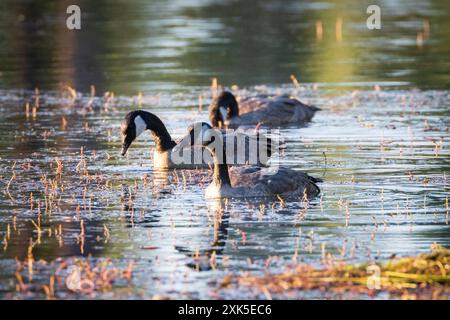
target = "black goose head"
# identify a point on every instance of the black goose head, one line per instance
(138, 121)
(202, 134)
(198, 132)
(132, 126)
(222, 108)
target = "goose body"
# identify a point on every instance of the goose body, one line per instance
(254, 181)
(170, 154)
(227, 111)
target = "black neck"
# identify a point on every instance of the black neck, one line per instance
(161, 136)
(220, 175)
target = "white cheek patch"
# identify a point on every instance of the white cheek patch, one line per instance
(140, 124)
(198, 139)
(206, 135)
(197, 136)
(223, 113)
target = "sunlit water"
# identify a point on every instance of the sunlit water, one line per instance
(383, 156)
(380, 145)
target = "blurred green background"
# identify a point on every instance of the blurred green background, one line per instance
(136, 45)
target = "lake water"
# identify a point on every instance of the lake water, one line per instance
(380, 143)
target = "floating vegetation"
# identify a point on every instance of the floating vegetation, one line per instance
(70, 275)
(426, 276)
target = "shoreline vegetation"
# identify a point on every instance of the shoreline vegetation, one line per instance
(425, 276)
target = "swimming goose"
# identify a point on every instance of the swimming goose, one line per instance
(252, 181)
(169, 154)
(225, 111)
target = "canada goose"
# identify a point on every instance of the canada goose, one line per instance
(225, 111)
(252, 181)
(170, 154)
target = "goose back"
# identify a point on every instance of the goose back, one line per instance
(254, 181)
(273, 111)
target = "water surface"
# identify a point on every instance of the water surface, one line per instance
(380, 143)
